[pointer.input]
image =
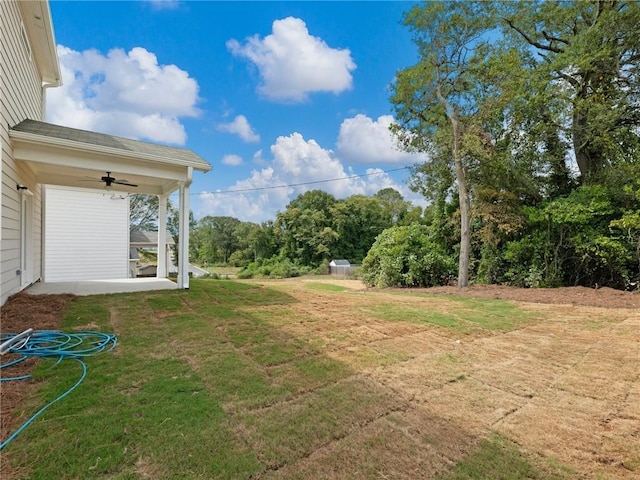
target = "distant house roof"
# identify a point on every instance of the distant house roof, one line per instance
(150, 151)
(147, 270)
(339, 263)
(138, 238)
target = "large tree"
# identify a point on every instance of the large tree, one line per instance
(358, 220)
(438, 102)
(214, 239)
(584, 57)
(396, 210)
(254, 242)
(143, 214)
(306, 228)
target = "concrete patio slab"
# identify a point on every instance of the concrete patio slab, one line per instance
(98, 287)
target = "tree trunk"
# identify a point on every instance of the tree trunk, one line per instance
(590, 156)
(465, 210)
(559, 178)
(586, 165)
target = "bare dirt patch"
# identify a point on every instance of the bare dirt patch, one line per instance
(594, 297)
(604, 297)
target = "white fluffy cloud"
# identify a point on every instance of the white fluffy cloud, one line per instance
(232, 160)
(292, 63)
(123, 93)
(240, 126)
(296, 165)
(363, 140)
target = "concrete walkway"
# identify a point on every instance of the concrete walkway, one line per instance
(98, 287)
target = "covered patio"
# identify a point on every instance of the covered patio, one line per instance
(68, 157)
(101, 287)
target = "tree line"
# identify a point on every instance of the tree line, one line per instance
(314, 228)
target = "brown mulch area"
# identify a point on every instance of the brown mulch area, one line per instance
(602, 297)
(23, 311)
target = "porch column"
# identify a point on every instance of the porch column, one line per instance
(183, 235)
(162, 236)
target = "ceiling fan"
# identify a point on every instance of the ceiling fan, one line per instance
(109, 180)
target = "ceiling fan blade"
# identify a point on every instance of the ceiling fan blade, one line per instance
(108, 180)
(124, 182)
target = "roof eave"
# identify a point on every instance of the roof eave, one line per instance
(39, 26)
(85, 147)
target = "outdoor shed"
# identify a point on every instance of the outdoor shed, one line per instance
(339, 267)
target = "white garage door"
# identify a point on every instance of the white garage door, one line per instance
(86, 235)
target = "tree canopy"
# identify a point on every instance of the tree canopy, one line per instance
(530, 113)
(585, 54)
(440, 103)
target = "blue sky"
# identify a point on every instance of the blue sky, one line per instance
(270, 93)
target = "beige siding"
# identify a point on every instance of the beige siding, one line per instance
(20, 98)
(87, 235)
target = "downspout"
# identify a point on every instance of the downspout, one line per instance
(43, 118)
(43, 106)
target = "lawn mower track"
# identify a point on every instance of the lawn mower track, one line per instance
(564, 387)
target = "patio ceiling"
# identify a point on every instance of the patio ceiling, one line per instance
(78, 158)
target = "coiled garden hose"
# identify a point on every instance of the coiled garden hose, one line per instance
(52, 344)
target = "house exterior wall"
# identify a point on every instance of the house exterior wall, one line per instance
(87, 235)
(21, 96)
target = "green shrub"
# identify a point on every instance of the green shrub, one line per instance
(244, 274)
(405, 256)
(272, 268)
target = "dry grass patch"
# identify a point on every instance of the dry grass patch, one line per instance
(559, 380)
(290, 430)
(409, 444)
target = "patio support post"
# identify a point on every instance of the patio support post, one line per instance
(162, 236)
(183, 235)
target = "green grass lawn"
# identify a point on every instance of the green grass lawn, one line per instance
(203, 384)
(463, 315)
